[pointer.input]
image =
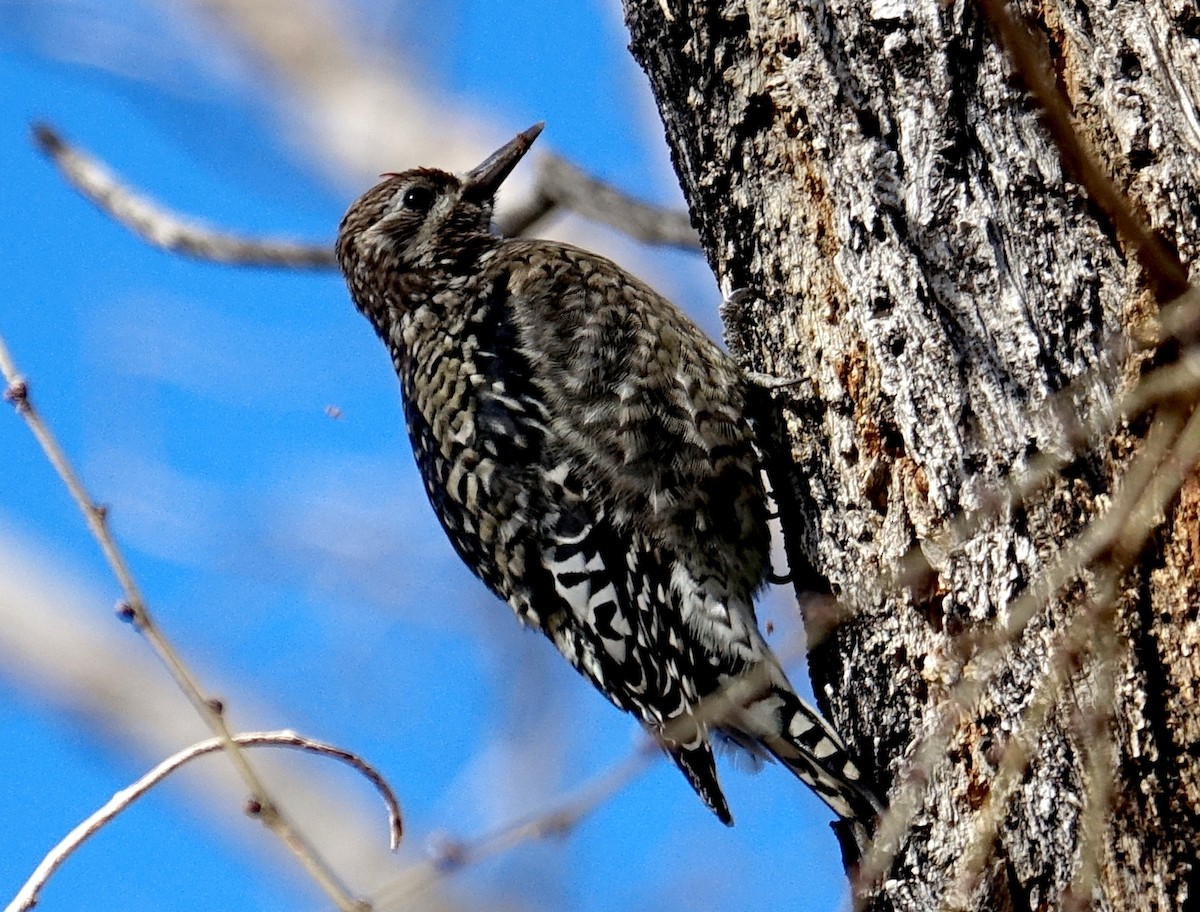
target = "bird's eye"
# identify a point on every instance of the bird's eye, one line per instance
(419, 199)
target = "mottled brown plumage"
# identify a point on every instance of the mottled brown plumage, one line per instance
(587, 451)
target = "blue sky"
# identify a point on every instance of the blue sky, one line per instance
(289, 554)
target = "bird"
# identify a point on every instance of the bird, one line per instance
(589, 453)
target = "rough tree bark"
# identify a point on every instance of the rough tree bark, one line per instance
(925, 259)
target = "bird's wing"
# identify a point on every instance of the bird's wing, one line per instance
(648, 406)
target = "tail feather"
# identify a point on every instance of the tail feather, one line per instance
(698, 765)
(809, 747)
(761, 713)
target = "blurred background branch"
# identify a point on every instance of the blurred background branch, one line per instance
(559, 185)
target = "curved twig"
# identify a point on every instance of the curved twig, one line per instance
(134, 611)
(27, 896)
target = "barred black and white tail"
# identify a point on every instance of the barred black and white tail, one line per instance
(812, 750)
(761, 713)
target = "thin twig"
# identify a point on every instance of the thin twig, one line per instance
(1099, 774)
(134, 610)
(454, 855)
(1171, 383)
(27, 896)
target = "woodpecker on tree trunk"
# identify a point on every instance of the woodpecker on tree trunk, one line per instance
(588, 452)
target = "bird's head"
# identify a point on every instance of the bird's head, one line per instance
(412, 219)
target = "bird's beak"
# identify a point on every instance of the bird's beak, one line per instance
(482, 182)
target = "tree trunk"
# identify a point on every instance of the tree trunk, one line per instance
(923, 256)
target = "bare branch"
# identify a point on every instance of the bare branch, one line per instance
(27, 896)
(134, 610)
(559, 185)
(1099, 772)
(562, 184)
(168, 230)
